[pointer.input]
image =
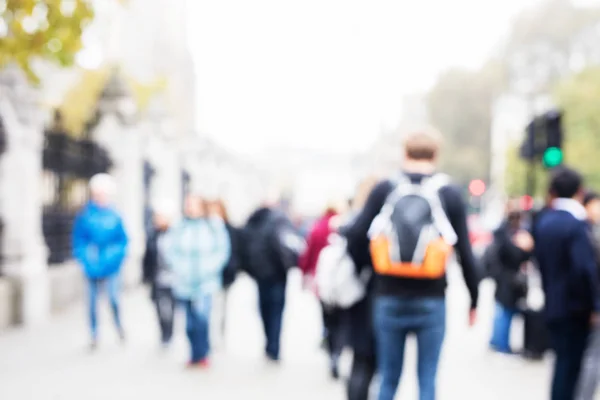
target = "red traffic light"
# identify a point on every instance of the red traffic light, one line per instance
(526, 203)
(477, 187)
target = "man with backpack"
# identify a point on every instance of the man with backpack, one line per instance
(407, 231)
(272, 247)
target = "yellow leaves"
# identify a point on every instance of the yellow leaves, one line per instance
(80, 101)
(40, 29)
(79, 104)
(143, 93)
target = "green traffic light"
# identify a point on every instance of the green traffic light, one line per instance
(553, 157)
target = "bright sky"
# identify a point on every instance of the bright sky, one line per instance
(327, 73)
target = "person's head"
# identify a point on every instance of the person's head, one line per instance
(422, 147)
(217, 207)
(102, 189)
(514, 213)
(272, 198)
(162, 215)
(566, 183)
(340, 205)
(194, 207)
(591, 202)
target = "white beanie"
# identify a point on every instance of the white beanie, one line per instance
(103, 183)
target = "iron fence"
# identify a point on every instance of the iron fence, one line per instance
(68, 164)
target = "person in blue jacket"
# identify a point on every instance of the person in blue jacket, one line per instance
(100, 247)
(197, 250)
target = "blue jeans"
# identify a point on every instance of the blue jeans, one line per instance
(112, 286)
(569, 339)
(396, 317)
(197, 316)
(271, 298)
(501, 334)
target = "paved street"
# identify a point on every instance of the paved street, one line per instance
(52, 362)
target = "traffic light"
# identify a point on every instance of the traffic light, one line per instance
(543, 139)
(553, 154)
(553, 157)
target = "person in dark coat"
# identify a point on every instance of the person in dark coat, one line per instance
(272, 246)
(512, 247)
(566, 257)
(156, 273)
(590, 371)
(360, 316)
(234, 265)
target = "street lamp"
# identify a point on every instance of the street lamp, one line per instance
(118, 99)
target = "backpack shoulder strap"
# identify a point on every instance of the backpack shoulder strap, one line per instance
(430, 189)
(401, 185)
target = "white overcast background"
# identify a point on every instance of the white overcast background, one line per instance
(328, 74)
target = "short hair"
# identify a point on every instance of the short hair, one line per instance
(590, 196)
(423, 144)
(165, 208)
(565, 182)
(102, 183)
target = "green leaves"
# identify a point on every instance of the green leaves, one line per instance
(459, 106)
(45, 29)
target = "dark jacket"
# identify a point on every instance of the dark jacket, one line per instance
(360, 316)
(234, 265)
(511, 285)
(267, 255)
(151, 263)
(358, 245)
(565, 254)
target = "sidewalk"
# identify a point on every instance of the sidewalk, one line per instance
(53, 362)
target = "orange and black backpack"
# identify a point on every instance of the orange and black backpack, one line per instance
(412, 236)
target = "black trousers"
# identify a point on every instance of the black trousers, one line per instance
(165, 309)
(361, 376)
(334, 324)
(569, 338)
(271, 297)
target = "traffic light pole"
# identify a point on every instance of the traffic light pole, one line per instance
(531, 182)
(530, 187)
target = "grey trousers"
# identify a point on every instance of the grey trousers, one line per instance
(590, 368)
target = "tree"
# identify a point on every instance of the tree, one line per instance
(579, 97)
(46, 29)
(80, 101)
(460, 105)
(545, 40)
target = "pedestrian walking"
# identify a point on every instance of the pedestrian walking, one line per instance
(406, 231)
(511, 248)
(233, 265)
(272, 248)
(333, 318)
(360, 316)
(567, 262)
(100, 247)
(158, 274)
(197, 250)
(590, 371)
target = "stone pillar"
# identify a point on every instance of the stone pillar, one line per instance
(24, 249)
(119, 132)
(164, 153)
